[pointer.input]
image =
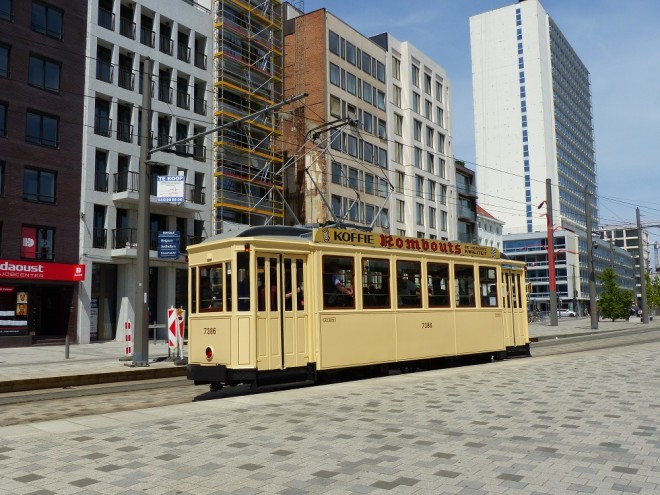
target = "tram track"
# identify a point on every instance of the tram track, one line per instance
(53, 404)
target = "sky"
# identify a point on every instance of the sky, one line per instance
(617, 40)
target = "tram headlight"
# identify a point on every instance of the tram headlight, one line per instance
(209, 353)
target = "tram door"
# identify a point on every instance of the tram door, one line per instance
(513, 305)
(281, 317)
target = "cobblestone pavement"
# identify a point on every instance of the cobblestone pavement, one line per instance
(573, 423)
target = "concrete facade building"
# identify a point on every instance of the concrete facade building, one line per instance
(175, 35)
(533, 118)
(42, 94)
(489, 229)
(421, 166)
(337, 141)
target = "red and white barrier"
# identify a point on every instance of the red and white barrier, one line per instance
(128, 338)
(172, 329)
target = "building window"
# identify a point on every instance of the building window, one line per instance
(438, 91)
(427, 84)
(367, 93)
(417, 130)
(415, 76)
(382, 129)
(5, 10)
(419, 216)
(428, 109)
(334, 43)
(429, 137)
(430, 164)
(443, 220)
(350, 53)
(398, 124)
(353, 181)
(2, 179)
(44, 73)
(419, 186)
(382, 158)
(367, 122)
(396, 68)
(47, 20)
(431, 190)
(400, 182)
(380, 99)
(39, 185)
(369, 183)
(4, 60)
(351, 145)
(42, 129)
(417, 159)
(400, 211)
(335, 75)
(441, 142)
(440, 117)
(366, 62)
(432, 221)
(368, 152)
(398, 152)
(442, 166)
(335, 140)
(442, 198)
(3, 119)
(396, 96)
(351, 83)
(415, 102)
(380, 71)
(335, 106)
(37, 242)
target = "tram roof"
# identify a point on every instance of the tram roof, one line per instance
(263, 231)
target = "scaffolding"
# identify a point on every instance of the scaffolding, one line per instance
(248, 65)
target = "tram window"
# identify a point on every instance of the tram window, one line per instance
(300, 284)
(243, 296)
(464, 286)
(192, 283)
(338, 274)
(375, 283)
(267, 284)
(515, 293)
(408, 283)
(488, 286)
(228, 286)
(438, 281)
(210, 288)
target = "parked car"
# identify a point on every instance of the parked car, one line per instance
(565, 312)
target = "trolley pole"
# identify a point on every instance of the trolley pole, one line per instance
(141, 330)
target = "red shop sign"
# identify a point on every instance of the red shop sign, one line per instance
(35, 270)
(6, 288)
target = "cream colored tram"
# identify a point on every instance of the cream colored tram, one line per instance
(265, 303)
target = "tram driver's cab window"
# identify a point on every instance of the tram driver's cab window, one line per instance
(375, 283)
(488, 286)
(338, 282)
(211, 287)
(464, 286)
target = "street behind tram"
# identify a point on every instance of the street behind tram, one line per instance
(578, 417)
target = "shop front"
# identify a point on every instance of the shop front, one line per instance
(37, 302)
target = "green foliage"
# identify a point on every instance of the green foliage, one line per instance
(614, 301)
(652, 292)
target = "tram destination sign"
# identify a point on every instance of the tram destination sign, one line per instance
(372, 239)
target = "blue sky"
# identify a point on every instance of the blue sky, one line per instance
(618, 41)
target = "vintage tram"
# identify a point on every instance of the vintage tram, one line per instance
(279, 303)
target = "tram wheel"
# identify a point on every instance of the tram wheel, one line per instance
(216, 387)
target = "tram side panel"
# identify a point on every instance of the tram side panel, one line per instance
(356, 339)
(479, 331)
(425, 334)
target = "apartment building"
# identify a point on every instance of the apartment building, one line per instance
(171, 40)
(336, 142)
(421, 167)
(42, 88)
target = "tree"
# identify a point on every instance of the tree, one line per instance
(652, 292)
(614, 301)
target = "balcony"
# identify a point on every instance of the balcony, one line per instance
(126, 78)
(126, 182)
(199, 152)
(165, 93)
(466, 189)
(147, 37)
(127, 28)
(102, 126)
(189, 240)
(124, 238)
(467, 213)
(166, 44)
(467, 238)
(199, 106)
(101, 181)
(183, 100)
(100, 238)
(183, 53)
(195, 194)
(104, 71)
(106, 19)
(125, 132)
(200, 60)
